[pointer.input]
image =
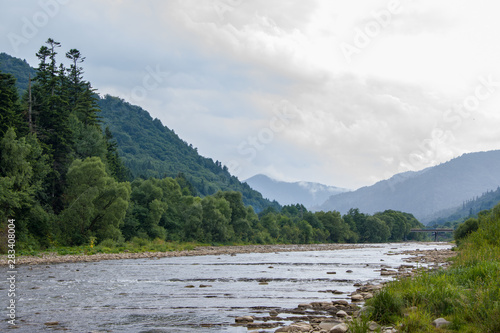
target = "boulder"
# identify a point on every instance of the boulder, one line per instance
(340, 328)
(244, 319)
(357, 298)
(440, 322)
(367, 295)
(341, 314)
(327, 325)
(373, 326)
(295, 327)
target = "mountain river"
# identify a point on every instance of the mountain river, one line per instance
(190, 294)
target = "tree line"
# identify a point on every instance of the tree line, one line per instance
(64, 183)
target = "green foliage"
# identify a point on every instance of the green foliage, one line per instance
(387, 306)
(96, 203)
(466, 228)
(466, 294)
(20, 69)
(10, 108)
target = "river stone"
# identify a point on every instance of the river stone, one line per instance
(273, 313)
(373, 326)
(341, 314)
(304, 305)
(244, 319)
(295, 327)
(340, 328)
(52, 323)
(321, 305)
(357, 298)
(342, 302)
(367, 295)
(440, 322)
(328, 324)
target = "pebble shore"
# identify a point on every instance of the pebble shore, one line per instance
(54, 258)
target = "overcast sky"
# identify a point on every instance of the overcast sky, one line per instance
(345, 93)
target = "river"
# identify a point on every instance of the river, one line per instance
(190, 294)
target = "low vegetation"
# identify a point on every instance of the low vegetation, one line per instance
(466, 294)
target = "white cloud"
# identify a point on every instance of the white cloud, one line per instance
(232, 64)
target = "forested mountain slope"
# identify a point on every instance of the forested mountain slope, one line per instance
(21, 70)
(469, 208)
(150, 149)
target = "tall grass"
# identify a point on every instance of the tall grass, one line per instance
(467, 293)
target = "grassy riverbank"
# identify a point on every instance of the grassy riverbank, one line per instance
(136, 245)
(467, 294)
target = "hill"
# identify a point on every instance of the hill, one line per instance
(287, 193)
(150, 149)
(428, 191)
(469, 208)
(19, 68)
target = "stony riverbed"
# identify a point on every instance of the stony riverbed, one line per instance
(211, 289)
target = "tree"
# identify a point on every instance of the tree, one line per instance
(22, 169)
(216, 218)
(10, 108)
(96, 203)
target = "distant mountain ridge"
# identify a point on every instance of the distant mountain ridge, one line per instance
(290, 193)
(426, 192)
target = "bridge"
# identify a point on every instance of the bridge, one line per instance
(434, 231)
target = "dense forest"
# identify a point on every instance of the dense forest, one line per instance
(64, 182)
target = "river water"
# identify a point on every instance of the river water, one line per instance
(190, 294)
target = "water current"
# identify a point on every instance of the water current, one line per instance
(189, 294)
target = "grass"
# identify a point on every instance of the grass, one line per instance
(467, 294)
(136, 245)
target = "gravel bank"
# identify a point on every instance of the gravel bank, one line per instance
(53, 258)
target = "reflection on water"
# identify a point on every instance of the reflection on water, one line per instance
(186, 294)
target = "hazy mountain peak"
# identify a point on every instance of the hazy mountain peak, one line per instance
(307, 193)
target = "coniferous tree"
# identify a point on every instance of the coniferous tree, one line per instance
(10, 108)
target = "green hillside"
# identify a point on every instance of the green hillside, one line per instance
(150, 149)
(19, 68)
(469, 208)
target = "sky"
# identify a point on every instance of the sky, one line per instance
(344, 93)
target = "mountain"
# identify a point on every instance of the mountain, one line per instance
(287, 193)
(19, 68)
(426, 192)
(467, 209)
(150, 149)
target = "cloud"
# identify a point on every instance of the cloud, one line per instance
(229, 66)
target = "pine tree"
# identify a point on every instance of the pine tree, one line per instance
(10, 108)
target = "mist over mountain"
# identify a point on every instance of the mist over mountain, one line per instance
(426, 192)
(289, 193)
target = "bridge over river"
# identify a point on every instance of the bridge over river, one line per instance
(434, 231)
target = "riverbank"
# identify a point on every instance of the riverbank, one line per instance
(438, 257)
